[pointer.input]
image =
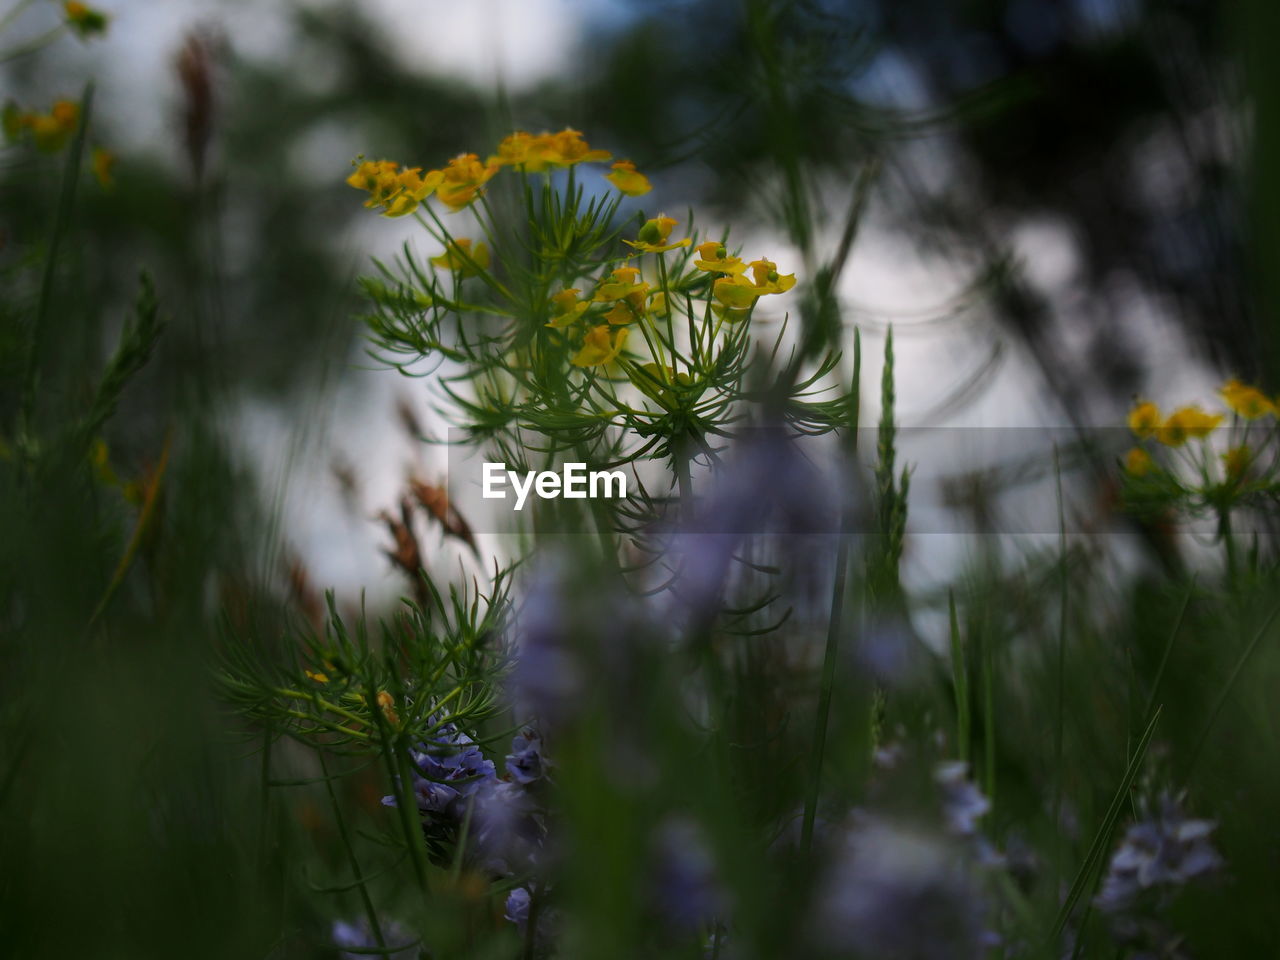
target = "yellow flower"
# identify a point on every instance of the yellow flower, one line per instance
(566, 308)
(49, 131)
(376, 177)
(515, 150)
(658, 305)
(83, 19)
(318, 676)
(462, 180)
(625, 311)
(568, 148)
(461, 258)
(714, 258)
(1249, 402)
(652, 237)
(413, 189)
(1185, 424)
(1144, 419)
(102, 162)
(625, 283)
(1138, 463)
(767, 279)
(535, 154)
(1236, 461)
(397, 191)
(66, 113)
(600, 346)
(628, 179)
(736, 293)
(386, 702)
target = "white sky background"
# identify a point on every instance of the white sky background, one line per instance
(530, 40)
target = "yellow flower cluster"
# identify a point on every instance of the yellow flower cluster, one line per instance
(732, 287)
(602, 344)
(48, 131)
(630, 299)
(1147, 422)
(537, 153)
(398, 191)
(462, 180)
(1185, 423)
(619, 299)
(1249, 403)
(737, 294)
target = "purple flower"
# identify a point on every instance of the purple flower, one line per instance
(525, 763)
(963, 804)
(685, 890)
(518, 901)
(359, 936)
(508, 828)
(432, 797)
(888, 649)
(896, 892)
(1156, 857)
(518, 908)
(449, 769)
(769, 487)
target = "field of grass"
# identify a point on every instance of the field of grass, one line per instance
(721, 711)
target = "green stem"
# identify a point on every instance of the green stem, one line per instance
(352, 860)
(989, 717)
(329, 725)
(684, 477)
(265, 797)
(401, 773)
(1229, 542)
(671, 332)
(835, 623)
(959, 682)
(1149, 709)
(834, 626)
(1060, 718)
(319, 701)
(481, 272)
(1231, 682)
(61, 217)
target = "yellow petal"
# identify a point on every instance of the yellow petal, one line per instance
(737, 293)
(628, 179)
(599, 347)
